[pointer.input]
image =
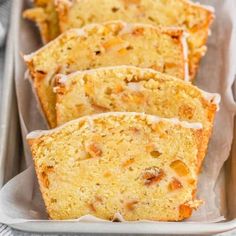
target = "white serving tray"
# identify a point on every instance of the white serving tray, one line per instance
(10, 151)
(9, 125)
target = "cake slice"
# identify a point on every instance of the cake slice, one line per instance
(107, 44)
(45, 16)
(195, 18)
(128, 88)
(118, 163)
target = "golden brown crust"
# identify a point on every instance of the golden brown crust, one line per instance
(43, 92)
(85, 187)
(198, 37)
(32, 142)
(212, 108)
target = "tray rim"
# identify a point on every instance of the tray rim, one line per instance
(105, 227)
(127, 228)
(7, 91)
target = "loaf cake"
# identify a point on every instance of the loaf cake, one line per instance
(118, 163)
(107, 44)
(195, 18)
(45, 16)
(128, 88)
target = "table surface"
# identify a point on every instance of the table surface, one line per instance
(4, 19)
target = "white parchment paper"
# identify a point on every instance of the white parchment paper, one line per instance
(20, 199)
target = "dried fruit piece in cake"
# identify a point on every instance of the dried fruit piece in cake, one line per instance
(108, 44)
(80, 167)
(195, 18)
(45, 16)
(128, 88)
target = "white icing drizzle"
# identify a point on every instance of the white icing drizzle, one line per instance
(195, 203)
(120, 74)
(100, 69)
(185, 51)
(211, 97)
(55, 89)
(62, 79)
(135, 86)
(214, 98)
(119, 67)
(176, 121)
(91, 118)
(209, 32)
(81, 32)
(127, 29)
(119, 217)
(90, 121)
(27, 75)
(28, 57)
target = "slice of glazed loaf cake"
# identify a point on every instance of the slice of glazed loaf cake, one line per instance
(118, 163)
